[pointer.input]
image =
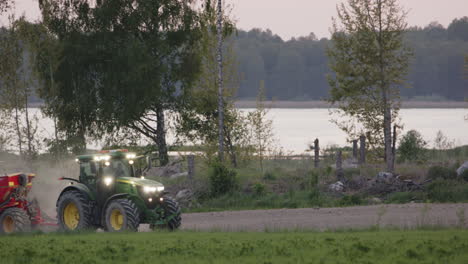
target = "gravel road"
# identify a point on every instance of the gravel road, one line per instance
(403, 216)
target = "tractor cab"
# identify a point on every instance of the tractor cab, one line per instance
(108, 163)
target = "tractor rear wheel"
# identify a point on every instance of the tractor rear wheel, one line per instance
(122, 215)
(74, 211)
(171, 216)
(14, 220)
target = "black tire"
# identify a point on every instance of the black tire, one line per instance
(83, 206)
(14, 220)
(121, 215)
(172, 215)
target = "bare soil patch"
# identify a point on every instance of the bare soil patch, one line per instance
(401, 216)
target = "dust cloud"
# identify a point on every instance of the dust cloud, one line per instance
(46, 186)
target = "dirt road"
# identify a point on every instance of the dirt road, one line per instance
(403, 216)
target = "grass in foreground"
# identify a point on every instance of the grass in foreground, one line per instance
(442, 246)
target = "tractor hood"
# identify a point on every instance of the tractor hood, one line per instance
(139, 182)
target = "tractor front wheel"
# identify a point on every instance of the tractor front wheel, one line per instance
(172, 215)
(74, 211)
(14, 220)
(122, 215)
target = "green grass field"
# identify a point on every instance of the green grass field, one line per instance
(420, 246)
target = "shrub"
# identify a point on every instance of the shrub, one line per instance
(222, 179)
(412, 147)
(259, 188)
(405, 197)
(351, 200)
(314, 178)
(436, 172)
(464, 175)
(442, 190)
(269, 176)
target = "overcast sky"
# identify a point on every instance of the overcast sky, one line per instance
(293, 18)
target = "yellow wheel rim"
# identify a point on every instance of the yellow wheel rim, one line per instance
(116, 219)
(71, 216)
(8, 224)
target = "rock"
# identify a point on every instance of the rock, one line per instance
(375, 200)
(462, 168)
(165, 171)
(179, 175)
(337, 186)
(350, 164)
(184, 194)
(386, 177)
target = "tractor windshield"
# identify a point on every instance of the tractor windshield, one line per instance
(118, 168)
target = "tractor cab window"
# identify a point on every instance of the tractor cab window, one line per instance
(88, 172)
(118, 168)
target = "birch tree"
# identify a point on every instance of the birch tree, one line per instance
(219, 26)
(370, 62)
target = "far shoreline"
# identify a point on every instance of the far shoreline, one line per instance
(242, 104)
(325, 105)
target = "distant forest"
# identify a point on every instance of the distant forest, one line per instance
(297, 69)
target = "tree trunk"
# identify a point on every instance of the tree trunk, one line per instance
(161, 137)
(231, 150)
(388, 137)
(28, 128)
(220, 83)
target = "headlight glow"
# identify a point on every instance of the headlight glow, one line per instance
(130, 156)
(160, 188)
(99, 158)
(130, 162)
(108, 181)
(149, 189)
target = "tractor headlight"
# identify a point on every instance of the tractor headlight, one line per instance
(130, 156)
(108, 181)
(160, 188)
(148, 189)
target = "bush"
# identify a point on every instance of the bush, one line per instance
(269, 176)
(439, 172)
(464, 175)
(222, 179)
(447, 191)
(412, 147)
(405, 197)
(348, 200)
(259, 188)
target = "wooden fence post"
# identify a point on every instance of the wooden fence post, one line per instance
(362, 150)
(191, 166)
(316, 153)
(339, 165)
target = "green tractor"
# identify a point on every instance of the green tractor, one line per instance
(111, 194)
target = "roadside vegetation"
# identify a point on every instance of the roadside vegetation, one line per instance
(417, 246)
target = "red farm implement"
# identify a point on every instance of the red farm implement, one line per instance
(17, 213)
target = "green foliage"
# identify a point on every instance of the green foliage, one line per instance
(222, 179)
(440, 172)
(412, 147)
(464, 175)
(443, 190)
(122, 67)
(350, 200)
(269, 176)
(405, 197)
(369, 62)
(275, 246)
(259, 188)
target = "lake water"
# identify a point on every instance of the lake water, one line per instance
(295, 129)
